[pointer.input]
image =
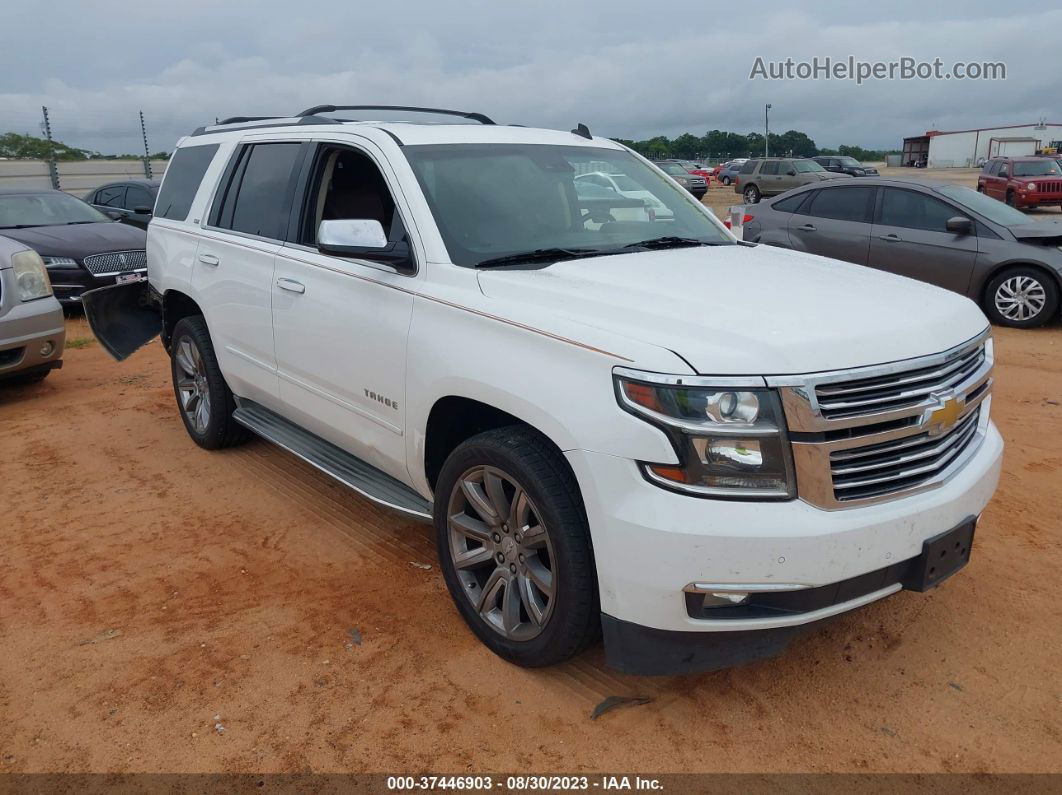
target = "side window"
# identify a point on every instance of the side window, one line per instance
(347, 184)
(790, 204)
(842, 204)
(136, 196)
(769, 167)
(257, 200)
(183, 175)
(991, 167)
(1004, 171)
(913, 210)
(748, 166)
(113, 196)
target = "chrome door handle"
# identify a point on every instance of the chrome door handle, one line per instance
(890, 238)
(209, 259)
(291, 286)
(806, 228)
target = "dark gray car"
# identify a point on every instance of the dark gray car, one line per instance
(936, 232)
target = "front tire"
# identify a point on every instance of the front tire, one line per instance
(514, 547)
(1021, 298)
(203, 397)
(751, 194)
(725, 181)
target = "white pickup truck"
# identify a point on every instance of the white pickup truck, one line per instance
(620, 422)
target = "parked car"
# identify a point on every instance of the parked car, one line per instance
(1022, 181)
(845, 165)
(699, 169)
(695, 184)
(692, 445)
(769, 176)
(941, 233)
(656, 210)
(81, 247)
(728, 173)
(131, 201)
(32, 332)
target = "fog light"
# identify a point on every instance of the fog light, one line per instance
(48, 348)
(725, 599)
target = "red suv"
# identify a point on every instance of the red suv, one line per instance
(1022, 181)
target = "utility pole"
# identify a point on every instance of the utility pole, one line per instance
(147, 154)
(766, 129)
(53, 172)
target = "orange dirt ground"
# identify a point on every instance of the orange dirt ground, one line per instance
(164, 608)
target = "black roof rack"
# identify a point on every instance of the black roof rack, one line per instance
(244, 119)
(316, 109)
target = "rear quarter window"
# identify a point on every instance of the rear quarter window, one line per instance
(749, 167)
(790, 204)
(183, 175)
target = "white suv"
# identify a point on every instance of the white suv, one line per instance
(695, 445)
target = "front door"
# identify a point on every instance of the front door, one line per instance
(341, 323)
(909, 238)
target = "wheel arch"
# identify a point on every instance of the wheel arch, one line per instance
(175, 306)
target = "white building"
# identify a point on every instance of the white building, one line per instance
(964, 148)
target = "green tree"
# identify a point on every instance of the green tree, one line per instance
(29, 146)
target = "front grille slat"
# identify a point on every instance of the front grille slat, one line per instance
(924, 447)
(116, 262)
(905, 471)
(866, 396)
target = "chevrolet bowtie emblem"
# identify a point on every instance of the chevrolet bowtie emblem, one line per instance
(943, 419)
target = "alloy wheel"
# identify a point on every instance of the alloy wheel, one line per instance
(1020, 298)
(751, 196)
(192, 385)
(502, 553)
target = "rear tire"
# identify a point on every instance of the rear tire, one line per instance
(514, 547)
(725, 181)
(751, 194)
(1021, 298)
(203, 398)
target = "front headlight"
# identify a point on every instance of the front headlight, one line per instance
(731, 441)
(59, 262)
(30, 276)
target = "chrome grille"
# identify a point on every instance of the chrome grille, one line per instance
(116, 262)
(883, 432)
(872, 395)
(887, 467)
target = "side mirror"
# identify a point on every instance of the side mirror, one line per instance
(790, 173)
(959, 225)
(143, 210)
(114, 215)
(364, 238)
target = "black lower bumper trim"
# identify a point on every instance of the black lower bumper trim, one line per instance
(644, 651)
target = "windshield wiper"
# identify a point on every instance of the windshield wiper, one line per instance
(73, 223)
(668, 241)
(540, 255)
(22, 226)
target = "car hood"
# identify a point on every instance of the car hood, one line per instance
(79, 240)
(749, 310)
(1037, 231)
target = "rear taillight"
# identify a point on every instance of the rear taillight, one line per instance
(746, 218)
(737, 181)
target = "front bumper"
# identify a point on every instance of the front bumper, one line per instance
(69, 283)
(25, 330)
(650, 543)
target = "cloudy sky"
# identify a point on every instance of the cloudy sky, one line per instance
(627, 69)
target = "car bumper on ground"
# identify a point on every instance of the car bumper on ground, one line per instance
(32, 336)
(658, 552)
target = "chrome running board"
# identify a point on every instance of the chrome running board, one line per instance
(349, 470)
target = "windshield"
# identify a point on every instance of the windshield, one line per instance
(992, 209)
(806, 165)
(496, 200)
(46, 209)
(1036, 168)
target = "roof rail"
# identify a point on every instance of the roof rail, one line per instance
(316, 109)
(244, 119)
(251, 123)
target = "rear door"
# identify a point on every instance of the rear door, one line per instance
(233, 273)
(909, 238)
(835, 222)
